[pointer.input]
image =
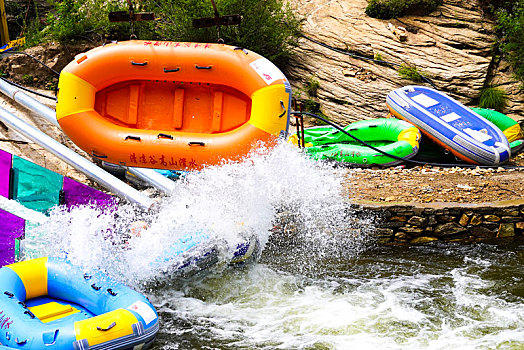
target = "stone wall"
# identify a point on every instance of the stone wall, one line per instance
(446, 222)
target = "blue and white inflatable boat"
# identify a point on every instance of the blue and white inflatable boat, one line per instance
(450, 124)
(194, 253)
(47, 303)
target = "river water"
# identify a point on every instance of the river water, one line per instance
(321, 282)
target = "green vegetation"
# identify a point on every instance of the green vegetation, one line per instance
(27, 78)
(377, 56)
(269, 27)
(67, 21)
(406, 71)
(312, 86)
(511, 30)
(72, 20)
(386, 9)
(306, 98)
(493, 98)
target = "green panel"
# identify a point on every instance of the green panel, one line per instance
(35, 187)
(502, 121)
(17, 249)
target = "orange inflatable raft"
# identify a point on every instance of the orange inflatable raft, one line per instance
(170, 105)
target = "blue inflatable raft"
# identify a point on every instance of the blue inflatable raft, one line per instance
(450, 124)
(48, 303)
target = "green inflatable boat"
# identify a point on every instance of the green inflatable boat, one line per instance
(509, 127)
(390, 135)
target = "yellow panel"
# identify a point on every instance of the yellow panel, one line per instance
(266, 108)
(33, 274)
(293, 139)
(411, 136)
(52, 311)
(74, 95)
(513, 133)
(87, 329)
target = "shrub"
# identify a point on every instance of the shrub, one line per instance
(377, 56)
(71, 20)
(493, 98)
(269, 27)
(406, 71)
(27, 78)
(511, 28)
(312, 86)
(386, 9)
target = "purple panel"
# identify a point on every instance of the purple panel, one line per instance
(11, 227)
(5, 167)
(76, 193)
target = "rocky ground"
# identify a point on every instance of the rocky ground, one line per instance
(436, 184)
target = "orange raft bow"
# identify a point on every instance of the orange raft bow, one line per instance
(169, 105)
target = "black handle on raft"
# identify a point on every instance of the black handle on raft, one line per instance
(164, 136)
(108, 327)
(241, 48)
(20, 342)
(23, 304)
(141, 64)
(9, 294)
(135, 138)
(284, 108)
(202, 67)
(171, 70)
(196, 143)
(27, 312)
(110, 291)
(98, 155)
(95, 287)
(87, 277)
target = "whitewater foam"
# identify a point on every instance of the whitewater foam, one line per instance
(226, 202)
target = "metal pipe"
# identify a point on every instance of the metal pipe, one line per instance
(155, 179)
(149, 176)
(76, 161)
(28, 102)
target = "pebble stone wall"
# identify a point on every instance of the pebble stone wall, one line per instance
(446, 222)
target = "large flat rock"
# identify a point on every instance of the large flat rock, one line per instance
(452, 46)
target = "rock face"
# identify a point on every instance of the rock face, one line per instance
(452, 46)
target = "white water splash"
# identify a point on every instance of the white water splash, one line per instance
(225, 203)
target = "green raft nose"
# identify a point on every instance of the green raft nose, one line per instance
(509, 127)
(392, 136)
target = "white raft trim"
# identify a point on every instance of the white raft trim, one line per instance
(144, 311)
